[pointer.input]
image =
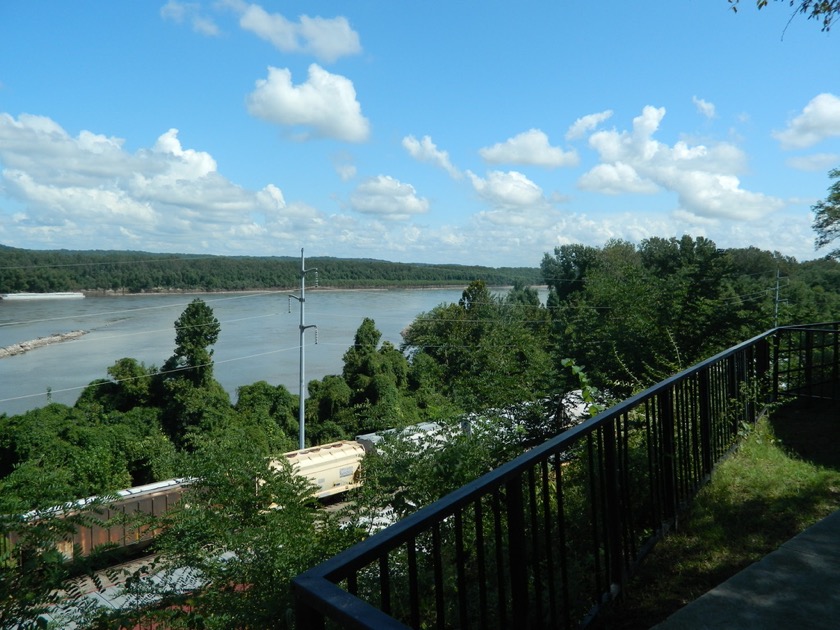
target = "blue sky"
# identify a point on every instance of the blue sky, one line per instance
(478, 133)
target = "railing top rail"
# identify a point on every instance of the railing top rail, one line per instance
(351, 611)
(341, 565)
(821, 327)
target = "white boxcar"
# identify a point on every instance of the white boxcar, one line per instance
(333, 467)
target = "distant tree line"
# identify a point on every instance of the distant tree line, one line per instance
(23, 270)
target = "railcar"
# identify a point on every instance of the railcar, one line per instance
(110, 527)
(334, 468)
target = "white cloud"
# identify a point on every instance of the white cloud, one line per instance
(615, 179)
(819, 120)
(815, 163)
(529, 147)
(704, 107)
(508, 190)
(189, 12)
(703, 177)
(426, 151)
(388, 198)
(346, 172)
(155, 197)
(587, 123)
(326, 103)
(328, 39)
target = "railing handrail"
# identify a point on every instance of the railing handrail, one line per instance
(323, 577)
(360, 554)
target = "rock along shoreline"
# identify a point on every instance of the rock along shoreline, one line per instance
(40, 342)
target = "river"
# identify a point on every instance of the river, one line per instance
(259, 338)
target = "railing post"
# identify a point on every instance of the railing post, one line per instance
(517, 554)
(306, 617)
(835, 364)
(762, 367)
(809, 362)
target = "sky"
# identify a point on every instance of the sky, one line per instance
(473, 133)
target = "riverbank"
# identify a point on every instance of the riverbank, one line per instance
(26, 346)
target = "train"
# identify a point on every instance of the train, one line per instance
(333, 469)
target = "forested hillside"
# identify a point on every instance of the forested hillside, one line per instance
(24, 270)
(618, 318)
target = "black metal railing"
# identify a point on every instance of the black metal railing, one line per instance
(548, 538)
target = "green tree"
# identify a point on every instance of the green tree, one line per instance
(191, 399)
(330, 414)
(270, 412)
(245, 527)
(378, 379)
(645, 312)
(827, 215)
(487, 352)
(195, 331)
(823, 11)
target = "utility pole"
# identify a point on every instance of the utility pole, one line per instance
(303, 327)
(778, 300)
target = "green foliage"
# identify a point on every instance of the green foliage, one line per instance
(245, 527)
(271, 407)
(483, 352)
(191, 399)
(637, 314)
(34, 574)
(135, 272)
(827, 213)
(824, 11)
(771, 489)
(195, 331)
(58, 453)
(412, 469)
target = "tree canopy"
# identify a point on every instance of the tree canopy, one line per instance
(827, 215)
(824, 11)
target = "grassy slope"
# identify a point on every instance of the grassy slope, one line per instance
(784, 478)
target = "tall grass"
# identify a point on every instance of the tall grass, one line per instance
(784, 477)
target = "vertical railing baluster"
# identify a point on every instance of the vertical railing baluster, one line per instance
(535, 551)
(481, 555)
(307, 616)
(460, 569)
(705, 421)
(440, 608)
(562, 543)
(549, 542)
(384, 584)
(809, 362)
(612, 511)
(413, 585)
(666, 424)
(500, 559)
(517, 560)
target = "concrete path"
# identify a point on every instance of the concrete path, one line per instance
(795, 587)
